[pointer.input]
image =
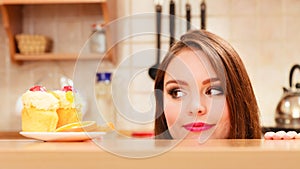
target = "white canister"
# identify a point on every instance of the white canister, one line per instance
(98, 39)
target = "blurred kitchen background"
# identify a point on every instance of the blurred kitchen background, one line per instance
(264, 32)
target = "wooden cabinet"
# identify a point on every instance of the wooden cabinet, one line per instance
(12, 18)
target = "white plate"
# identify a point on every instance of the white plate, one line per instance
(63, 136)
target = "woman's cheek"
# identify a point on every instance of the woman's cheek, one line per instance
(223, 128)
(171, 113)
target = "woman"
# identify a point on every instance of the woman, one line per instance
(202, 88)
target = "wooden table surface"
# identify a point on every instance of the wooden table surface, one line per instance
(148, 153)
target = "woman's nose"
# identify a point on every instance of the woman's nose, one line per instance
(198, 108)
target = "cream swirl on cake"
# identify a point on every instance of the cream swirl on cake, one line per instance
(68, 98)
(40, 100)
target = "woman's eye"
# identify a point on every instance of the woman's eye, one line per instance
(215, 91)
(176, 93)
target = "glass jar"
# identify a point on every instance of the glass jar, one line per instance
(98, 39)
(104, 97)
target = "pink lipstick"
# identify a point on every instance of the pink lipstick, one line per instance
(198, 126)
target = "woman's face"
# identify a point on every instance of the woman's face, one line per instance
(194, 101)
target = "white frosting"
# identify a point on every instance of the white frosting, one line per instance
(40, 100)
(65, 102)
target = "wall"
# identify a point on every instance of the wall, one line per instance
(69, 26)
(264, 33)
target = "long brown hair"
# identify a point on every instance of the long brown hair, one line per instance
(243, 108)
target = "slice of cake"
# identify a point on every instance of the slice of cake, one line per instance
(39, 110)
(69, 110)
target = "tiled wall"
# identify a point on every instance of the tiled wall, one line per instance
(69, 26)
(264, 32)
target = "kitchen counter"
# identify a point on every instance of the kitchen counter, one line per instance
(115, 153)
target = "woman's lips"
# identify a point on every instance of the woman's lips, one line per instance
(198, 126)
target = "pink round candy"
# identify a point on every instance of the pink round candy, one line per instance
(290, 135)
(269, 135)
(279, 135)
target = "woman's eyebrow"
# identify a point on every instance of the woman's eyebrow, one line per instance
(185, 83)
(177, 82)
(210, 80)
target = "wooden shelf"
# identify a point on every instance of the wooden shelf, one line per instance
(57, 56)
(25, 2)
(12, 18)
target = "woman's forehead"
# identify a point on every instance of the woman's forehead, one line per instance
(190, 65)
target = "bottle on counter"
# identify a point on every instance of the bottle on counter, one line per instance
(104, 97)
(98, 39)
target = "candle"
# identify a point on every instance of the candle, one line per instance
(172, 22)
(188, 15)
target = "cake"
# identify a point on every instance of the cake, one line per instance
(69, 110)
(45, 110)
(39, 110)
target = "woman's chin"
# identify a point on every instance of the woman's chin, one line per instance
(193, 135)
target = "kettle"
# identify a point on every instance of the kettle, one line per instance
(288, 108)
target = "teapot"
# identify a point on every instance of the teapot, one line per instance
(288, 108)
